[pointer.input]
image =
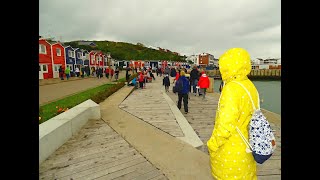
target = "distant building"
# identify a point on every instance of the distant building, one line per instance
(70, 58)
(85, 57)
(78, 58)
(270, 63)
(205, 59)
(87, 43)
(192, 58)
(58, 58)
(45, 59)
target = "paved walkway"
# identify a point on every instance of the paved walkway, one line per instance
(161, 144)
(56, 89)
(97, 152)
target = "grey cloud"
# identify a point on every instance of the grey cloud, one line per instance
(185, 26)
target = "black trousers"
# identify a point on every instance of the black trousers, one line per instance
(141, 84)
(185, 101)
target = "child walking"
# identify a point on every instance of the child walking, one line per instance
(166, 82)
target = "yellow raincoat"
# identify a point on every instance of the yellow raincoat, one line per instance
(228, 156)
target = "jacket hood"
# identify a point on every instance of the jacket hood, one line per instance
(234, 64)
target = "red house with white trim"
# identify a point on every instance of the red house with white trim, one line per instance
(96, 59)
(58, 58)
(100, 59)
(92, 59)
(45, 59)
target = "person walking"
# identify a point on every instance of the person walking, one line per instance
(177, 75)
(67, 72)
(127, 74)
(166, 82)
(203, 84)
(166, 70)
(183, 94)
(77, 71)
(194, 77)
(141, 79)
(221, 86)
(116, 73)
(111, 73)
(107, 72)
(228, 156)
(61, 73)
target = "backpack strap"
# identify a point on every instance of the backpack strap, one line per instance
(254, 107)
(249, 148)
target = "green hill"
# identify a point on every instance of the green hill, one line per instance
(127, 51)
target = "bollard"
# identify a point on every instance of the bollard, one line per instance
(210, 89)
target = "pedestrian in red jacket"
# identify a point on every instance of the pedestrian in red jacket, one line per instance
(203, 83)
(141, 79)
(177, 76)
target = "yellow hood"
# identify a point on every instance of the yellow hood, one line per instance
(234, 64)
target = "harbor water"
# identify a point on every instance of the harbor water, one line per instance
(269, 91)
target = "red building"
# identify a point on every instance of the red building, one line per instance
(92, 59)
(100, 59)
(58, 58)
(45, 59)
(96, 59)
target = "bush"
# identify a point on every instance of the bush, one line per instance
(98, 98)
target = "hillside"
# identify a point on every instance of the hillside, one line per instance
(127, 51)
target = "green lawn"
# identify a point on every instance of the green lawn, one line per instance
(97, 94)
(49, 110)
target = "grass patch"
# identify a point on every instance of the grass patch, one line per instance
(97, 94)
(48, 111)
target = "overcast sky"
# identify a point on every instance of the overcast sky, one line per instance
(185, 26)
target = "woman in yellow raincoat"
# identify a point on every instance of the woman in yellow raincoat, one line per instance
(228, 156)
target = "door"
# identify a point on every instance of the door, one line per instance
(40, 72)
(43, 68)
(56, 70)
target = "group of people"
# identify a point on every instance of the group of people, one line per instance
(86, 71)
(195, 80)
(145, 75)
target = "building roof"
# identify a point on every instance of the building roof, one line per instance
(87, 43)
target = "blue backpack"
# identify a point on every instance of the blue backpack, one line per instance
(178, 86)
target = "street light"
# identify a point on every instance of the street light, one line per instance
(108, 58)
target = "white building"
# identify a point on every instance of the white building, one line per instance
(269, 61)
(193, 58)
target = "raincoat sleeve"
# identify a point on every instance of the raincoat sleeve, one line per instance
(226, 118)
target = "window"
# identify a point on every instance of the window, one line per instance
(87, 56)
(39, 68)
(79, 55)
(42, 49)
(58, 52)
(71, 53)
(44, 68)
(56, 68)
(92, 59)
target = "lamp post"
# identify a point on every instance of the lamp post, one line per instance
(108, 58)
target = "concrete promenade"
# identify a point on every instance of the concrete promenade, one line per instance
(151, 136)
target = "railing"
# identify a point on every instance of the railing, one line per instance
(255, 73)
